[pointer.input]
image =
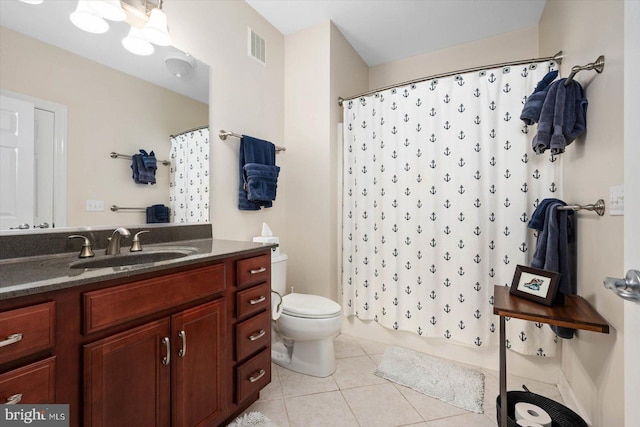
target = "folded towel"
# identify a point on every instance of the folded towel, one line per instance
(533, 106)
(144, 167)
(538, 217)
(257, 151)
(158, 214)
(562, 118)
(261, 182)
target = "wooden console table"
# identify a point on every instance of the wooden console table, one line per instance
(575, 313)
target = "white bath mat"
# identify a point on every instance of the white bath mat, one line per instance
(252, 419)
(454, 384)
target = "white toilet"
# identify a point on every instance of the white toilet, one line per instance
(304, 328)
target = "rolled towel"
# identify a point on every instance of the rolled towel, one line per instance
(158, 214)
(261, 181)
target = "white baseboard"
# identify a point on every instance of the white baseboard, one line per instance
(569, 398)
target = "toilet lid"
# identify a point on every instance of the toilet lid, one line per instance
(310, 306)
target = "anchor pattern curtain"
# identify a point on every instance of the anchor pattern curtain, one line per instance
(439, 185)
(189, 176)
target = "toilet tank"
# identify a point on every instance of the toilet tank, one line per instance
(279, 273)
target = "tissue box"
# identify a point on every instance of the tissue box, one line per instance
(274, 251)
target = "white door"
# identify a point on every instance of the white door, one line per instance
(632, 208)
(16, 163)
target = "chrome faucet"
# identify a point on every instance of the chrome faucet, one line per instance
(114, 241)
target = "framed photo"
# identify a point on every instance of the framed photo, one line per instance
(535, 284)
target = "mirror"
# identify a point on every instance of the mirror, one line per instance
(92, 97)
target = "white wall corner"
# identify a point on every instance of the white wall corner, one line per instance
(569, 398)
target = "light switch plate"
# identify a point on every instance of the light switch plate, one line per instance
(616, 200)
(95, 205)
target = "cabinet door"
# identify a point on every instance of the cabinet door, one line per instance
(197, 390)
(127, 378)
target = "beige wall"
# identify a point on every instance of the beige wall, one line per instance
(521, 44)
(593, 363)
(107, 111)
(247, 97)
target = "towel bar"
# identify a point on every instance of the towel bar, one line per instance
(115, 208)
(598, 65)
(115, 155)
(597, 206)
(223, 134)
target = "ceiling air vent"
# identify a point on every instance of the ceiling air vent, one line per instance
(257, 47)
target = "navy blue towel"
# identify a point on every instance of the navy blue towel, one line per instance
(144, 167)
(157, 214)
(258, 151)
(261, 182)
(533, 106)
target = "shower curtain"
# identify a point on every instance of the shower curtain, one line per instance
(189, 176)
(439, 184)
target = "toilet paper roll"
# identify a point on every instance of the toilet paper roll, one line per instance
(529, 412)
(527, 423)
(276, 305)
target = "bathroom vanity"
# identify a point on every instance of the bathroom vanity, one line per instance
(179, 342)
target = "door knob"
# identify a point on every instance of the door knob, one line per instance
(627, 288)
(43, 225)
(24, 226)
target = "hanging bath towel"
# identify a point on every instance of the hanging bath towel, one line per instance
(254, 151)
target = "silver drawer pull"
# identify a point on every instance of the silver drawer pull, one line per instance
(183, 351)
(261, 373)
(258, 335)
(166, 359)
(11, 339)
(13, 400)
(258, 271)
(258, 300)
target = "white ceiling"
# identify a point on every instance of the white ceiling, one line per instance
(387, 30)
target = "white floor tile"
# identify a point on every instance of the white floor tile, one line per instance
(295, 384)
(428, 407)
(380, 406)
(320, 410)
(356, 372)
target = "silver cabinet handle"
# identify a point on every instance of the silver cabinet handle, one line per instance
(167, 345)
(11, 339)
(261, 373)
(258, 300)
(43, 225)
(258, 271)
(24, 226)
(627, 288)
(14, 400)
(258, 335)
(183, 351)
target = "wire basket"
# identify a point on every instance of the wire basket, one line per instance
(561, 416)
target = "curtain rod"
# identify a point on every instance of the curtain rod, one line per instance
(190, 130)
(557, 57)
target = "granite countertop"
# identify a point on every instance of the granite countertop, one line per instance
(44, 273)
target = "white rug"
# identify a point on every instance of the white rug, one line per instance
(444, 380)
(252, 419)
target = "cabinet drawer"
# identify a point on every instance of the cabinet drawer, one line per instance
(34, 383)
(253, 375)
(253, 300)
(27, 330)
(119, 304)
(252, 335)
(253, 270)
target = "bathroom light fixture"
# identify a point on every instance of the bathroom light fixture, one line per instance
(32, 1)
(180, 65)
(108, 9)
(156, 28)
(86, 19)
(135, 42)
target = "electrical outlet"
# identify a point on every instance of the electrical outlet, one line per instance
(616, 200)
(95, 205)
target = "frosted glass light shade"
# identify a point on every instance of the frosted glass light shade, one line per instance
(135, 42)
(85, 19)
(32, 1)
(156, 29)
(108, 9)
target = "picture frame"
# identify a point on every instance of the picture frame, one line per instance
(535, 284)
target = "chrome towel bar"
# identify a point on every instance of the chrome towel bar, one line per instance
(223, 134)
(115, 155)
(115, 208)
(597, 65)
(597, 206)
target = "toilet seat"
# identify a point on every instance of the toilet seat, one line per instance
(310, 306)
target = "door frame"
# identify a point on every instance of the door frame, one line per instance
(59, 152)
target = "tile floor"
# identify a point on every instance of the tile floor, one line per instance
(354, 396)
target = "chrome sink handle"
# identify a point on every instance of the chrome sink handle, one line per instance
(135, 244)
(86, 251)
(627, 288)
(114, 241)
